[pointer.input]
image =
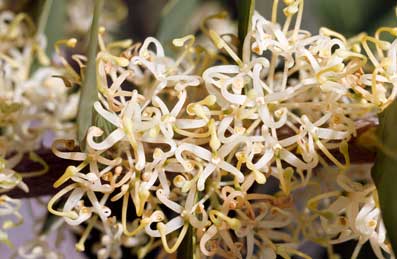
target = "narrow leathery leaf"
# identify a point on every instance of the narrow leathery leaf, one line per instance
(187, 248)
(43, 20)
(54, 29)
(245, 11)
(89, 93)
(384, 172)
(173, 21)
(42, 23)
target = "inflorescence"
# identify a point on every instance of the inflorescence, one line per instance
(238, 150)
(208, 151)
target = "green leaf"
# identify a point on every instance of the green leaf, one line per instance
(353, 16)
(174, 21)
(50, 23)
(43, 19)
(384, 171)
(245, 10)
(89, 93)
(55, 27)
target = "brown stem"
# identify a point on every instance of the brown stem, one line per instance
(40, 186)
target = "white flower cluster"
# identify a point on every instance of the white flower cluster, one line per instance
(38, 248)
(202, 151)
(9, 215)
(33, 104)
(343, 207)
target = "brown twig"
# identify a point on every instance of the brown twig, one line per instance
(40, 186)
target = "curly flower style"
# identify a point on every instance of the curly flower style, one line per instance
(200, 151)
(35, 108)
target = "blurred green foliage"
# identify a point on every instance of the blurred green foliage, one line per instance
(55, 28)
(174, 20)
(384, 173)
(351, 17)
